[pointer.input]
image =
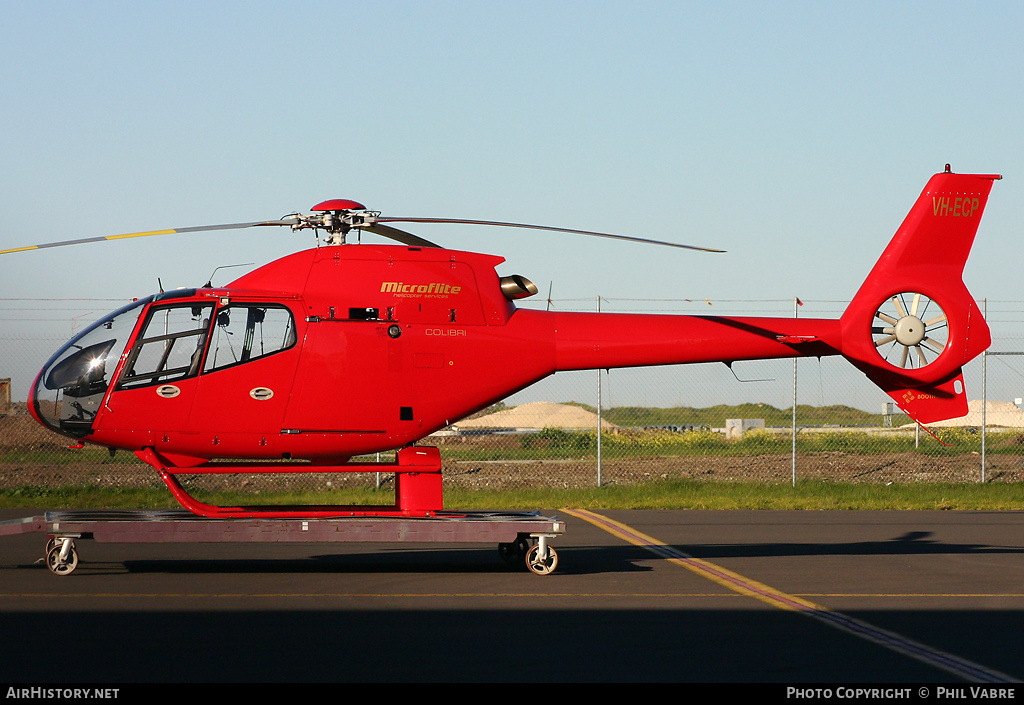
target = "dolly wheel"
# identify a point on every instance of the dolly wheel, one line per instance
(538, 565)
(56, 564)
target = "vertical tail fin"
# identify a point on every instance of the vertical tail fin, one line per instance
(913, 324)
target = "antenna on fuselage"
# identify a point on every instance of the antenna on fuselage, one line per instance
(209, 282)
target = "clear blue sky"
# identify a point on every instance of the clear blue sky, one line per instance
(795, 135)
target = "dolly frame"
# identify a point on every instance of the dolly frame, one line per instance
(520, 536)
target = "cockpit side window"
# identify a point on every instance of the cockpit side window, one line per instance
(247, 332)
(170, 346)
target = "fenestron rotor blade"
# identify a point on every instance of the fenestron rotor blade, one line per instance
(545, 227)
(147, 233)
(899, 306)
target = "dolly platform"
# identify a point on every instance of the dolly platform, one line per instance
(519, 535)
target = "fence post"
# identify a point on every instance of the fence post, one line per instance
(984, 395)
(796, 302)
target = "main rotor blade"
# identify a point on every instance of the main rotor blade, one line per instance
(399, 235)
(545, 227)
(147, 233)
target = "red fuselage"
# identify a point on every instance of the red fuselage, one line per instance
(378, 347)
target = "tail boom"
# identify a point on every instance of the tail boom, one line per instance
(611, 340)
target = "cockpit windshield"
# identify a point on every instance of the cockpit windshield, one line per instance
(71, 386)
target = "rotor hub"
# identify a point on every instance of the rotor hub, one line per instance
(909, 330)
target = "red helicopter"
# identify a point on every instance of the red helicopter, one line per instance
(350, 349)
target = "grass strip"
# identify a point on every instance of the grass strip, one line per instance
(675, 494)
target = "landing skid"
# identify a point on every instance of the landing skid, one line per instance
(417, 487)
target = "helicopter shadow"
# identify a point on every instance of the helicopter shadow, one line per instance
(910, 543)
(572, 561)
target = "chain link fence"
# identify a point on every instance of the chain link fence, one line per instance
(778, 421)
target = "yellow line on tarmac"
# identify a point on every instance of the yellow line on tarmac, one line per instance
(745, 586)
(715, 573)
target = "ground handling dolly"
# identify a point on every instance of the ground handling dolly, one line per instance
(520, 536)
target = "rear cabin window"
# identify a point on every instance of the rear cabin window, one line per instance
(245, 332)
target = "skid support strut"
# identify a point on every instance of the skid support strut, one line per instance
(417, 486)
